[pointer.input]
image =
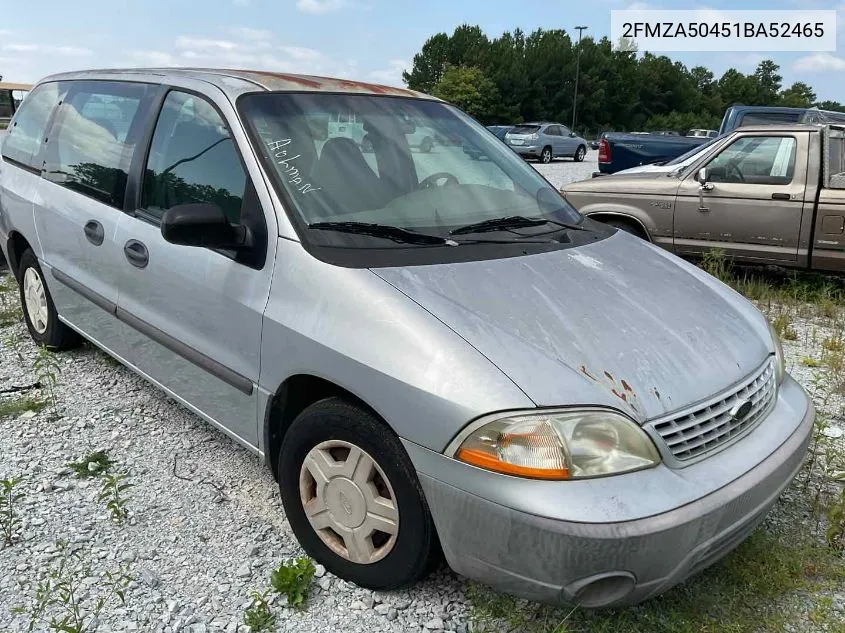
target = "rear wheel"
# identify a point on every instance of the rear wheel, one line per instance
(546, 155)
(353, 499)
(580, 153)
(39, 312)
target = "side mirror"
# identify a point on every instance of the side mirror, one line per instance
(203, 225)
(572, 134)
(701, 176)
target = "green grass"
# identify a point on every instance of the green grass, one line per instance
(755, 589)
(10, 316)
(16, 406)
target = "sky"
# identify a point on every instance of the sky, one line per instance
(371, 40)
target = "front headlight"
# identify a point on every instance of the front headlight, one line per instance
(560, 444)
(780, 361)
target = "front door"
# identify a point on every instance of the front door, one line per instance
(752, 203)
(197, 312)
(568, 144)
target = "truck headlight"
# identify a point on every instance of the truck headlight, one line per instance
(780, 361)
(556, 444)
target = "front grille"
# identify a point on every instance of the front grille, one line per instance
(694, 432)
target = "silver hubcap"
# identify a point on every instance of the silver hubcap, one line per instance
(580, 154)
(547, 156)
(35, 299)
(349, 501)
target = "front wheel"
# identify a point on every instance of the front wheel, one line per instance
(42, 319)
(580, 153)
(546, 155)
(353, 499)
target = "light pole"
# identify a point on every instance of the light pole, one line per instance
(577, 72)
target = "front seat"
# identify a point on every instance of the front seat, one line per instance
(347, 182)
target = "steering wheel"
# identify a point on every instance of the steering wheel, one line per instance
(732, 168)
(430, 182)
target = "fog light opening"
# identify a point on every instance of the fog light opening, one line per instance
(602, 589)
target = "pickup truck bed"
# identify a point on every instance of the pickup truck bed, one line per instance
(619, 151)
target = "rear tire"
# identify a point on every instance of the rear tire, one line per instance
(580, 153)
(325, 436)
(546, 155)
(39, 311)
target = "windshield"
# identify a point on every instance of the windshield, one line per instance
(419, 165)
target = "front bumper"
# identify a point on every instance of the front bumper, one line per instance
(605, 559)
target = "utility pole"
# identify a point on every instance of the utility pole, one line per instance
(577, 72)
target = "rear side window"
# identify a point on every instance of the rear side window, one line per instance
(5, 104)
(25, 135)
(768, 118)
(193, 159)
(94, 138)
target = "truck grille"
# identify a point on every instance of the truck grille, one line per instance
(703, 428)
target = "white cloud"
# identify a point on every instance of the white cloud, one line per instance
(818, 63)
(153, 58)
(204, 44)
(253, 35)
(19, 48)
(301, 54)
(392, 75)
(72, 51)
(319, 7)
(639, 6)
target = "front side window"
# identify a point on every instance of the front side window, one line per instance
(382, 170)
(96, 130)
(26, 133)
(755, 160)
(192, 159)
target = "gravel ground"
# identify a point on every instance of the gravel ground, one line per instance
(205, 524)
(564, 171)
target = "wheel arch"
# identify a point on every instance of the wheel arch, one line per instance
(16, 245)
(602, 215)
(297, 392)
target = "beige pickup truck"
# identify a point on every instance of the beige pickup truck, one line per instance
(770, 194)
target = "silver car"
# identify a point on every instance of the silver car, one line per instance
(431, 352)
(546, 141)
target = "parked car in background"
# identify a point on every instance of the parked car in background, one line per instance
(742, 115)
(434, 354)
(546, 141)
(766, 194)
(500, 130)
(618, 151)
(701, 132)
(11, 96)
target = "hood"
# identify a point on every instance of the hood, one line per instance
(648, 169)
(617, 323)
(641, 182)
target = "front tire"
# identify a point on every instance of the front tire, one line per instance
(352, 497)
(42, 319)
(546, 155)
(627, 226)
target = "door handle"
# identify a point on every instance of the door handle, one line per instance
(136, 253)
(781, 196)
(94, 232)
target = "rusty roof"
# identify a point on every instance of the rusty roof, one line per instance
(268, 80)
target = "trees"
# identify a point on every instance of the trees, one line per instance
(469, 89)
(517, 77)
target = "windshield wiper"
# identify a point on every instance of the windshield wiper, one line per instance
(387, 231)
(510, 222)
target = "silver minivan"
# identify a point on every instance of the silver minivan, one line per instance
(431, 352)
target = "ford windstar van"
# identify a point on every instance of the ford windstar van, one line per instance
(431, 351)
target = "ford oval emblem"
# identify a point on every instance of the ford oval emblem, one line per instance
(741, 409)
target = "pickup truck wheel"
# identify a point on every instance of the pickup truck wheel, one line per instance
(580, 153)
(546, 156)
(42, 319)
(627, 226)
(353, 499)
